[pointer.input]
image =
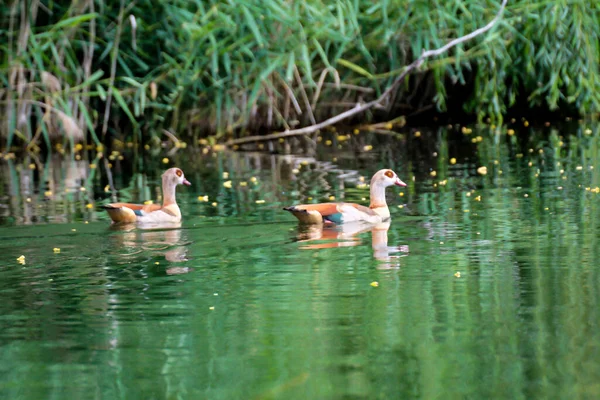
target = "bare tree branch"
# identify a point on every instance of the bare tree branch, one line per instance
(359, 108)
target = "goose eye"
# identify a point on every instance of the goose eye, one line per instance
(389, 174)
(179, 173)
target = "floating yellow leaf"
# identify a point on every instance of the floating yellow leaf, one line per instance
(227, 184)
(433, 173)
(147, 202)
(375, 284)
(225, 175)
(482, 170)
(89, 206)
(457, 274)
(368, 148)
(56, 250)
(202, 198)
(453, 161)
(260, 201)
(165, 160)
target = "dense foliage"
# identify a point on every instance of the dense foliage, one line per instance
(199, 67)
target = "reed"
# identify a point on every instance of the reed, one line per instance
(87, 70)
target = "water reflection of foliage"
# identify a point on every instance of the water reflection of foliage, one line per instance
(518, 322)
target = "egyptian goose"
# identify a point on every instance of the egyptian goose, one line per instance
(152, 213)
(350, 212)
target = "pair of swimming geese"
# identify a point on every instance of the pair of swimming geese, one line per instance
(336, 213)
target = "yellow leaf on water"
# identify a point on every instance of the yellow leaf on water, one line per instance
(56, 250)
(375, 284)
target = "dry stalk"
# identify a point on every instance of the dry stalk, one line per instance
(113, 69)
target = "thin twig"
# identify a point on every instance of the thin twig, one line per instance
(359, 108)
(304, 96)
(113, 69)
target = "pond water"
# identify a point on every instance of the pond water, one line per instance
(485, 284)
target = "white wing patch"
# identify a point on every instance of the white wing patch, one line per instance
(352, 214)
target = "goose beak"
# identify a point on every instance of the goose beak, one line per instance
(399, 183)
(187, 183)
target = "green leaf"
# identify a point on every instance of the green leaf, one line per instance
(355, 68)
(119, 98)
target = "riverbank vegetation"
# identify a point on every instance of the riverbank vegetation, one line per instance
(94, 70)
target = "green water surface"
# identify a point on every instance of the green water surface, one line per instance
(482, 286)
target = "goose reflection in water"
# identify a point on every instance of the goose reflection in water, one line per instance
(347, 235)
(159, 238)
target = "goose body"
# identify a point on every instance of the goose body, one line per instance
(340, 212)
(152, 213)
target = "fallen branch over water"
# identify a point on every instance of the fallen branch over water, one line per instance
(359, 108)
